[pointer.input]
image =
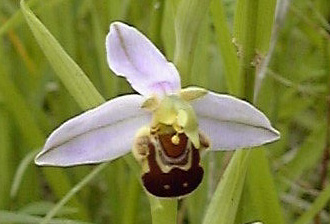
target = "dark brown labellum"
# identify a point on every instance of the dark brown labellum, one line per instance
(174, 170)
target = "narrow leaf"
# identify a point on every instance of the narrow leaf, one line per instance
(20, 171)
(5, 159)
(266, 16)
(73, 192)
(251, 16)
(15, 217)
(260, 199)
(67, 70)
(224, 203)
(226, 46)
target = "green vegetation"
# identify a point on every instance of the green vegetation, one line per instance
(275, 54)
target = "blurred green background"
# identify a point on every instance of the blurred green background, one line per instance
(292, 88)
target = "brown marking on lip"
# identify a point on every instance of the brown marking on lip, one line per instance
(171, 149)
(181, 160)
(152, 160)
(177, 182)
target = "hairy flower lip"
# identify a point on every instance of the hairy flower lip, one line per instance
(106, 132)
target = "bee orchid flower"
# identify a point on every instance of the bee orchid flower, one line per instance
(165, 126)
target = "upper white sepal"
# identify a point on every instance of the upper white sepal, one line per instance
(132, 55)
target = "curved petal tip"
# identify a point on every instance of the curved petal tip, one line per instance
(98, 135)
(232, 123)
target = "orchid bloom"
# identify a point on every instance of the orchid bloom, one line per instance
(166, 126)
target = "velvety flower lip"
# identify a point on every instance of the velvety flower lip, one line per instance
(107, 132)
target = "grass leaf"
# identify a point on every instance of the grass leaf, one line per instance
(224, 204)
(67, 70)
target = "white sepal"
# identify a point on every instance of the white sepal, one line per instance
(232, 123)
(98, 135)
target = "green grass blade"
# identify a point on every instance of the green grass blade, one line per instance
(247, 44)
(67, 70)
(14, 217)
(317, 206)
(266, 16)
(168, 30)
(99, 36)
(72, 192)
(131, 201)
(224, 203)
(18, 107)
(42, 207)
(250, 18)
(5, 159)
(263, 15)
(188, 20)
(34, 137)
(260, 199)
(200, 71)
(156, 19)
(16, 19)
(20, 171)
(226, 47)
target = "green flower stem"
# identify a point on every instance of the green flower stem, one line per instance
(163, 211)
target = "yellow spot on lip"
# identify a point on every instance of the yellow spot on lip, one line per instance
(175, 139)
